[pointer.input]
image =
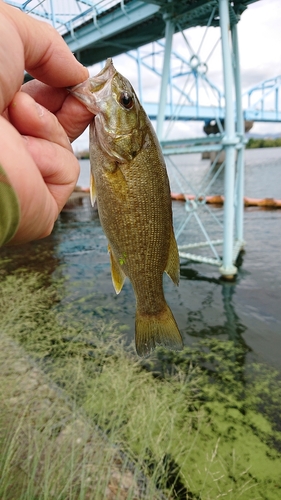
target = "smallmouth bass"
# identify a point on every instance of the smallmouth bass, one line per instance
(130, 182)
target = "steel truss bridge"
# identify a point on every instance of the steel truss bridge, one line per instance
(97, 29)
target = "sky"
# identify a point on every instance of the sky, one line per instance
(259, 32)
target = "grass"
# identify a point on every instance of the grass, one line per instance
(35, 464)
(48, 448)
(198, 423)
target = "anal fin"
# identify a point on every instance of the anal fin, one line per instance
(117, 274)
(93, 195)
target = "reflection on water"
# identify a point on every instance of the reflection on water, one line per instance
(232, 327)
(246, 311)
(37, 256)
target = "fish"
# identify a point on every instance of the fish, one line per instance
(129, 181)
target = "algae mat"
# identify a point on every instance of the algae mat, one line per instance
(202, 425)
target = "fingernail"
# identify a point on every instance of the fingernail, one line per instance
(40, 109)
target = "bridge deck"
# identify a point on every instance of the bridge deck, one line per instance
(133, 23)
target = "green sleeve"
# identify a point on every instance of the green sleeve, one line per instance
(9, 209)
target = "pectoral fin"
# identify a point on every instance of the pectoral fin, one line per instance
(92, 190)
(173, 264)
(117, 274)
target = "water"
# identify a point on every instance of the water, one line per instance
(247, 311)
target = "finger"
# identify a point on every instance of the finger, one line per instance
(30, 118)
(58, 167)
(12, 59)
(47, 56)
(74, 117)
(38, 210)
(51, 98)
(72, 114)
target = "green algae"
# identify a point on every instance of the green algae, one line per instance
(202, 425)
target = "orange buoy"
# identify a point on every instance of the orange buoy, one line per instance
(219, 200)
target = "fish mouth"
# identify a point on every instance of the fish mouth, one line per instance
(107, 72)
(82, 92)
(95, 89)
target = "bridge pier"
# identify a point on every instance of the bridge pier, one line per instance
(231, 146)
(169, 32)
(233, 142)
(240, 131)
(230, 140)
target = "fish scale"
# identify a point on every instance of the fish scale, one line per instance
(130, 182)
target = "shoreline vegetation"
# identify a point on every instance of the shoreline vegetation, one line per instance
(263, 143)
(200, 424)
(252, 143)
(41, 429)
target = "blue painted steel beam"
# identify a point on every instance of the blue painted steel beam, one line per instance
(192, 145)
(110, 26)
(192, 149)
(260, 115)
(170, 29)
(240, 130)
(207, 113)
(192, 141)
(201, 113)
(229, 141)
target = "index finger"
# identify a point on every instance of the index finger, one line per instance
(47, 56)
(72, 114)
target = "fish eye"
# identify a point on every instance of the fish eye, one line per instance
(126, 100)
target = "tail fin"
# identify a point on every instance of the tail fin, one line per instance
(160, 329)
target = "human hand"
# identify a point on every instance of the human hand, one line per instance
(38, 120)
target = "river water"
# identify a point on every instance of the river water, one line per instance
(247, 310)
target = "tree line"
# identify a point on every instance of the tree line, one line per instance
(263, 143)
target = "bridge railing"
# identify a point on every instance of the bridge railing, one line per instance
(192, 94)
(66, 15)
(266, 96)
